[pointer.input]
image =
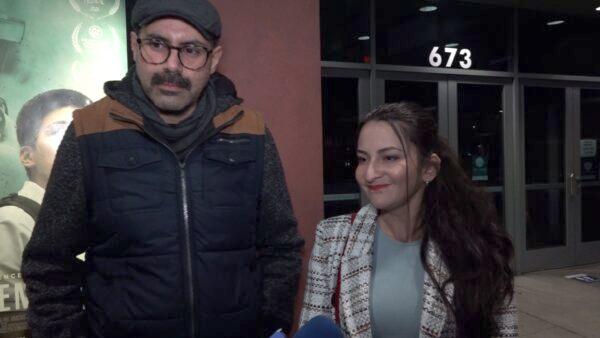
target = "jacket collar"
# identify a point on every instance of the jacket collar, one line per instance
(122, 113)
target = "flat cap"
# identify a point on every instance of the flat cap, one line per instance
(199, 13)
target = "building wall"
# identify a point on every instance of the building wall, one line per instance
(272, 53)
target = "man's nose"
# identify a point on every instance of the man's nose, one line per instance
(173, 62)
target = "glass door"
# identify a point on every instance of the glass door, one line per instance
(422, 92)
(585, 179)
(562, 179)
(480, 136)
(345, 95)
(551, 191)
(431, 92)
(547, 204)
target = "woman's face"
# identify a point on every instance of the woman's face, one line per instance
(389, 175)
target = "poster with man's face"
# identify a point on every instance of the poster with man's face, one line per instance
(54, 57)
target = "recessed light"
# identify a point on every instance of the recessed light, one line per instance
(364, 38)
(453, 44)
(428, 8)
(555, 22)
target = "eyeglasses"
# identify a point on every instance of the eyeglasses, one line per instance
(156, 51)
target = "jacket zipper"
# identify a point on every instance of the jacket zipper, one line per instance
(188, 249)
(185, 207)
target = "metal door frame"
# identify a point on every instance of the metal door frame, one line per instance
(588, 252)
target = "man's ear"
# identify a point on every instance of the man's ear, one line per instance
(431, 167)
(27, 156)
(215, 58)
(133, 44)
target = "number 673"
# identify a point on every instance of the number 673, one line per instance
(436, 59)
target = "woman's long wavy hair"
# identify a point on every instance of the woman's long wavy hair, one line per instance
(460, 219)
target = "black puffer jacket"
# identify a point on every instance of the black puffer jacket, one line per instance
(200, 249)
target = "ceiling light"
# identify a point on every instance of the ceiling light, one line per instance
(555, 22)
(598, 9)
(453, 44)
(364, 38)
(428, 8)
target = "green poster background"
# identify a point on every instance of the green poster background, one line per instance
(51, 44)
(45, 45)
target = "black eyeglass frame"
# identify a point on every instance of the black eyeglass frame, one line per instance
(178, 49)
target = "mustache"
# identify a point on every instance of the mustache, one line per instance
(171, 77)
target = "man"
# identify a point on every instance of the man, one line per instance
(177, 196)
(41, 124)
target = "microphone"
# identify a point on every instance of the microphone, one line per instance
(278, 334)
(319, 327)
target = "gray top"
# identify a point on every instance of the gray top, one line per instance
(396, 287)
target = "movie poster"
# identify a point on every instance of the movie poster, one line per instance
(54, 57)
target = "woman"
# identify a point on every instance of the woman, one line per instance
(425, 258)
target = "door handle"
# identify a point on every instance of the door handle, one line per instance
(573, 184)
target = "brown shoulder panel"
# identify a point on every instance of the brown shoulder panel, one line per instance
(96, 118)
(251, 122)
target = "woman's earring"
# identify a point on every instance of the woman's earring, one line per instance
(426, 182)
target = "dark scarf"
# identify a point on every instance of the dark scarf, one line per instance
(218, 95)
(180, 137)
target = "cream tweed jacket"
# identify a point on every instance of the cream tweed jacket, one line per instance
(331, 237)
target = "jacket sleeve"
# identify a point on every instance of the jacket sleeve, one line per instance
(507, 319)
(52, 273)
(278, 245)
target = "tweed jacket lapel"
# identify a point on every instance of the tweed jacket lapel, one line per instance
(434, 313)
(356, 268)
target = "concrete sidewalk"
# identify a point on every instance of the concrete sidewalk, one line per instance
(551, 305)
